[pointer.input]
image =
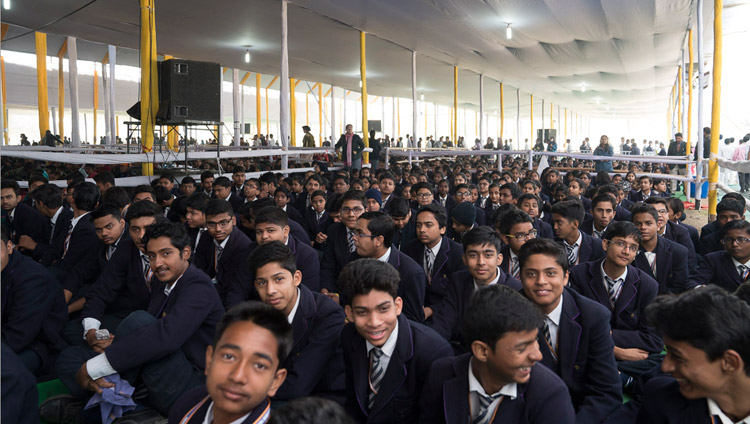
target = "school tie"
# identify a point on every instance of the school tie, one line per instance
(11, 227)
(599, 234)
(429, 261)
(484, 416)
(442, 201)
(318, 216)
(572, 256)
(111, 250)
(51, 231)
(376, 374)
(611, 289)
(744, 272)
(548, 339)
(147, 272)
(218, 250)
(483, 201)
(350, 240)
(515, 269)
(67, 240)
(653, 266)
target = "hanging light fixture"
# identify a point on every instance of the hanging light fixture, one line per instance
(247, 56)
(6, 4)
(508, 32)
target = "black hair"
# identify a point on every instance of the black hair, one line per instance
(355, 195)
(86, 196)
(206, 175)
(162, 194)
(222, 182)
(198, 201)
(318, 193)
(480, 236)
(530, 196)
(36, 178)
(143, 208)
(511, 218)
(4, 236)
(238, 169)
(418, 186)
(380, 224)
(8, 183)
(75, 178)
(571, 210)
(542, 246)
(656, 199)
(260, 204)
(399, 207)
(737, 224)
(515, 191)
(310, 410)
(315, 177)
(603, 197)
(364, 275)
(386, 175)
(218, 206)
(50, 195)
(272, 215)
(676, 205)
(495, 310)
(105, 209)
(737, 196)
(269, 178)
(743, 292)
(187, 180)
(144, 188)
(644, 208)
(333, 203)
(178, 206)
(438, 212)
(461, 187)
(178, 237)
(622, 229)
(730, 205)
(709, 318)
(644, 177)
(105, 177)
(117, 196)
(262, 315)
(274, 251)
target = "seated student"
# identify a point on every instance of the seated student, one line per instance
(663, 260)
(315, 215)
(271, 224)
(708, 352)
(482, 258)
(677, 215)
(282, 197)
(444, 197)
(493, 199)
(483, 185)
(531, 204)
(715, 225)
(250, 190)
(243, 369)
(576, 188)
(163, 347)
(222, 256)
(727, 210)
(463, 219)
(238, 181)
(462, 194)
(575, 342)
(165, 198)
(314, 365)
(187, 186)
(626, 291)
(124, 285)
(339, 246)
(500, 379)
(730, 267)
(248, 223)
(387, 356)
(603, 213)
(622, 205)
(49, 202)
(509, 193)
(671, 231)
(207, 183)
(515, 230)
(660, 188)
(80, 235)
(580, 247)
(374, 202)
(20, 397)
(223, 191)
(437, 254)
(110, 230)
(33, 311)
(406, 222)
(144, 192)
(645, 190)
(387, 186)
(313, 183)
(195, 218)
(21, 219)
(268, 184)
(372, 239)
(424, 194)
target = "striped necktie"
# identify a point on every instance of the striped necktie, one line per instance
(515, 268)
(744, 272)
(548, 339)
(484, 416)
(611, 289)
(572, 256)
(350, 241)
(429, 261)
(377, 372)
(67, 240)
(147, 272)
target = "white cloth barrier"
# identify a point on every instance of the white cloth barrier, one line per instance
(739, 166)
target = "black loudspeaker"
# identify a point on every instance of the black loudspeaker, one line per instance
(547, 134)
(191, 90)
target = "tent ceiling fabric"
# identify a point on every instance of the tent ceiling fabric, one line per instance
(625, 52)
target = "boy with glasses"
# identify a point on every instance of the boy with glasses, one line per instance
(730, 267)
(672, 231)
(532, 205)
(516, 229)
(339, 246)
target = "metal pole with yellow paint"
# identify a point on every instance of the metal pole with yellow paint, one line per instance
(293, 110)
(713, 166)
(41, 79)
(149, 81)
(363, 76)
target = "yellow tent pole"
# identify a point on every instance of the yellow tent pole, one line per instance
(531, 138)
(713, 166)
(363, 76)
(690, 94)
(320, 113)
(502, 112)
(96, 99)
(455, 104)
(327, 93)
(293, 102)
(149, 81)
(61, 89)
(117, 126)
(5, 102)
(41, 80)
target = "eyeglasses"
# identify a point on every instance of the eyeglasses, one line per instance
(740, 240)
(360, 234)
(625, 246)
(424, 195)
(356, 211)
(224, 223)
(523, 237)
(463, 194)
(662, 211)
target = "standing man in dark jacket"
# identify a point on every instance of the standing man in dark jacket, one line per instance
(677, 148)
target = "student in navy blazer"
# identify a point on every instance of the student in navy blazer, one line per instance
(49, 203)
(567, 216)
(78, 241)
(406, 222)
(376, 322)
(482, 258)
(338, 252)
(316, 215)
(223, 191)
(703, 329)
(723, 268)
(581, 350)
(672, 231)
(431, 225)
(33, 310)
(222, 255)
(315, 364)
(501, 327)
(164, 347)
(21, 218)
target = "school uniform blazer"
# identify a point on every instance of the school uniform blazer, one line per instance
(542, 399)
(386, 206)
(680, 235)
(336, 255)
(405, 236)
(664, 404)
(412, 286)
(587, 227)
(449, 259)
(307, 260)
(297, 230)
(717, 268)
(33, 308)
(81, 241)
(311, 223)
(622, 213)
(199, 399)
(628, 320)
(28, 221)
(671, 266)
(89, 269)
(232, 267)
(710, 243)
(448, 314)
(543, 229)
(46, 251)
(235, 200)
(186, 320)
(397, 401)
(505, 265)
(300, 202)
(693, 233)
(626, 204)
(637, 196)
(586, 202)
(293, 214)
(585, 358)
(481, 217)
(589, 250)
(121, 288)
(315, 363)
(710, 228)
(450, 202)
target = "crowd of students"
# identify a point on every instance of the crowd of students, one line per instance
(443, 293)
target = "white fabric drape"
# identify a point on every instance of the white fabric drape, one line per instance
(112, 50)
(284, 117)
(75, 134)
(236, 105)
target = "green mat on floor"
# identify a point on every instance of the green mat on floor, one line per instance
(48, 389)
